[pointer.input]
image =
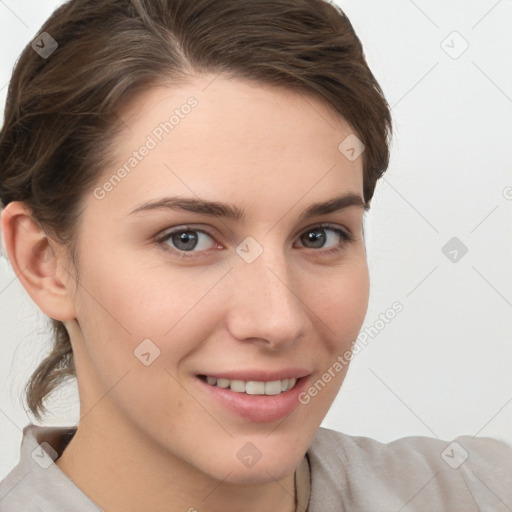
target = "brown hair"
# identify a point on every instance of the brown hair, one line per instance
(60, 115)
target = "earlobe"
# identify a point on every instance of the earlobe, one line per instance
(36, 263)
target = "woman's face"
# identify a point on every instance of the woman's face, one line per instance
(263, 296)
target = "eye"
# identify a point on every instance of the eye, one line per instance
(185, 240)
(189, 240)
(317, 237)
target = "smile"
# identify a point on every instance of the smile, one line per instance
(256, 395)
(274, 387)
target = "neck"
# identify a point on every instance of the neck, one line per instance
(121, 470)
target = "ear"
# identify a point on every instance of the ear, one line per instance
(36, 263)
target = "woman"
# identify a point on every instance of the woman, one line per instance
(183, 185)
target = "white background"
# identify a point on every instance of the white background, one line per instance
(440, 368)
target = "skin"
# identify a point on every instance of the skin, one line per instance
(149, 430)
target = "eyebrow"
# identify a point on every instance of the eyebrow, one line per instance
(232, 211)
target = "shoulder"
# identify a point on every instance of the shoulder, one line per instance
(36, 484)
(413, 449)
(410, 473)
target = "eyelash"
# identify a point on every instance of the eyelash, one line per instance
(345, 236)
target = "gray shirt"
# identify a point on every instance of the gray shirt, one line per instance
(339, 473)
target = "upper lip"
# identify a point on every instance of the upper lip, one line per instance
(260, 375)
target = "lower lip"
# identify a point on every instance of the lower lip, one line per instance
(257, 408)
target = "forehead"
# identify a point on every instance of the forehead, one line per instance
(218, 136)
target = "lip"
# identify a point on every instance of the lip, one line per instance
(256, 408)
(260, 375)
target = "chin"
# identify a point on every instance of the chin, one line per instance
(255, 462)
(261, 473)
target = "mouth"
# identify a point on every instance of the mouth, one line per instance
(251, 387)
(255, 396)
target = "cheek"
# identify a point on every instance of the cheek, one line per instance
(339, 302)
(121, 307)
(339, 306)
(125, 299)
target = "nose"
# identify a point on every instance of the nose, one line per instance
(265, 305)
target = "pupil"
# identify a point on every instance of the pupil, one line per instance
(317, 236)
(184, 237)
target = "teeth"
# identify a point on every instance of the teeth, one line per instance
(274, 387)
(223, 383)
(238, 386)
(255, 388)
